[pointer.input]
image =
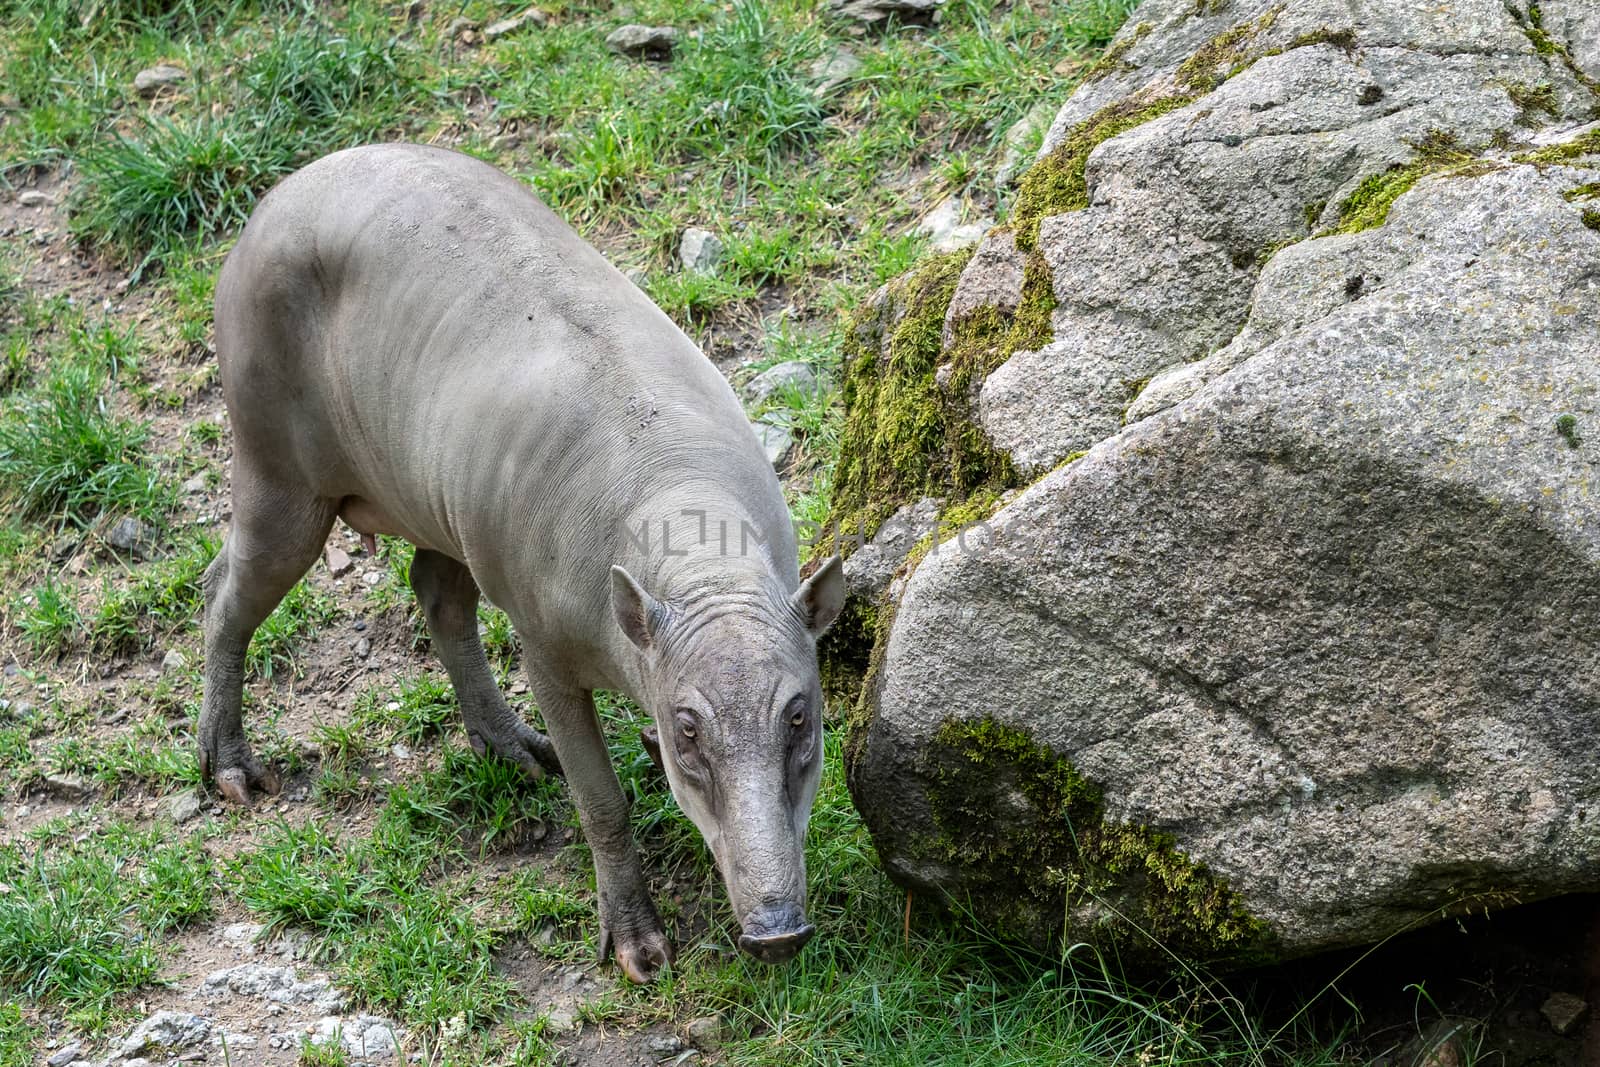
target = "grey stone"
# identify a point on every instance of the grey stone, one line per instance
(650, 42)
(560, 1021)
(1563, 1011)
(776, 442)
(663, 1045)
(66, 786)
(279, 985)
(35, 198)
(64, 1055)
(1157, 271)
(873, 12)
(869, 569)
(945, 230)
(196, 485)
(506, 27)
(130, 535)
(184, 806)
(833, 72)
(795, 374)
(152, 80)
(338, 560)
(166, 1031)
(699, 250)
(174, 660)
(368, 1037)
(1331, 621)
(705, 1033)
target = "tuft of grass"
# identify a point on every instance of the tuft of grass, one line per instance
(155, 601)
(49, 619)
(78, 931)
(423, 707)
(64, 453)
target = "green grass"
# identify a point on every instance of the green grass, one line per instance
(77, 924)
(64, 454)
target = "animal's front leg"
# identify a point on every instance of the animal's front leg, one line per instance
(629, 925)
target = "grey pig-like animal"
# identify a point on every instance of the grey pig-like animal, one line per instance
(409, 340)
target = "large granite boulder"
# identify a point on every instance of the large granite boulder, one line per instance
(1305, 649)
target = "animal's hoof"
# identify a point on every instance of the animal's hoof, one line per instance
(524, 746)
(641, 955)
(237, 783)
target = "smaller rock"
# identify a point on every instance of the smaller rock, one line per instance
(195, 485)
(152, 80)
(947, 232)
(832, 73)
(372, 577)
(130, 535)
(560, 1021)
(363, 648)
(166, 1030)
(699, 250)
(648, 42)
(173, 661)
(64, 1055)
(35, 198)
(505, 27)
(872, 12)
(1563, 1011)
(184, 806)
(400, 751)
(66, 786)
(705, 1033)
(775, 442)
(796, 374)
(339, 561)
(664, 1045)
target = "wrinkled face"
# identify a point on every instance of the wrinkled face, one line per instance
(738, 709)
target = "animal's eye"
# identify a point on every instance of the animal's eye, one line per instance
(686, 725)
(688, 731)
(798, 719)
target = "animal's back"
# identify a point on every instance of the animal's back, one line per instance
(410, 328)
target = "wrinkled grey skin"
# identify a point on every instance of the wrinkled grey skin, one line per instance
(410, 341)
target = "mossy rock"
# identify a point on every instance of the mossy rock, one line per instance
(1040, 861)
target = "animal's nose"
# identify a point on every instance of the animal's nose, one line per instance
(774, 933)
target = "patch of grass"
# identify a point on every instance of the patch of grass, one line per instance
(16, 1037)
(64, 454)
(327, 1054)
(48, 618)
(153, 602)
(423, 706)
(303, 875)
(77, 930)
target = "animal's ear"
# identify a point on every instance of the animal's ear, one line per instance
(638, 613)
(820, 597)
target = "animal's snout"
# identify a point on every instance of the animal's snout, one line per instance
(775, 933)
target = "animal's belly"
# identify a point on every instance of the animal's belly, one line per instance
(369, 520)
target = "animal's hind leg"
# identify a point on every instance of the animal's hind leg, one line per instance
(276, 536)
(449, 599)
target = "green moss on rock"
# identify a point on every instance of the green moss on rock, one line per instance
(1437, 153)
(1032, 833)
(1565, 152)
(1056, 184)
